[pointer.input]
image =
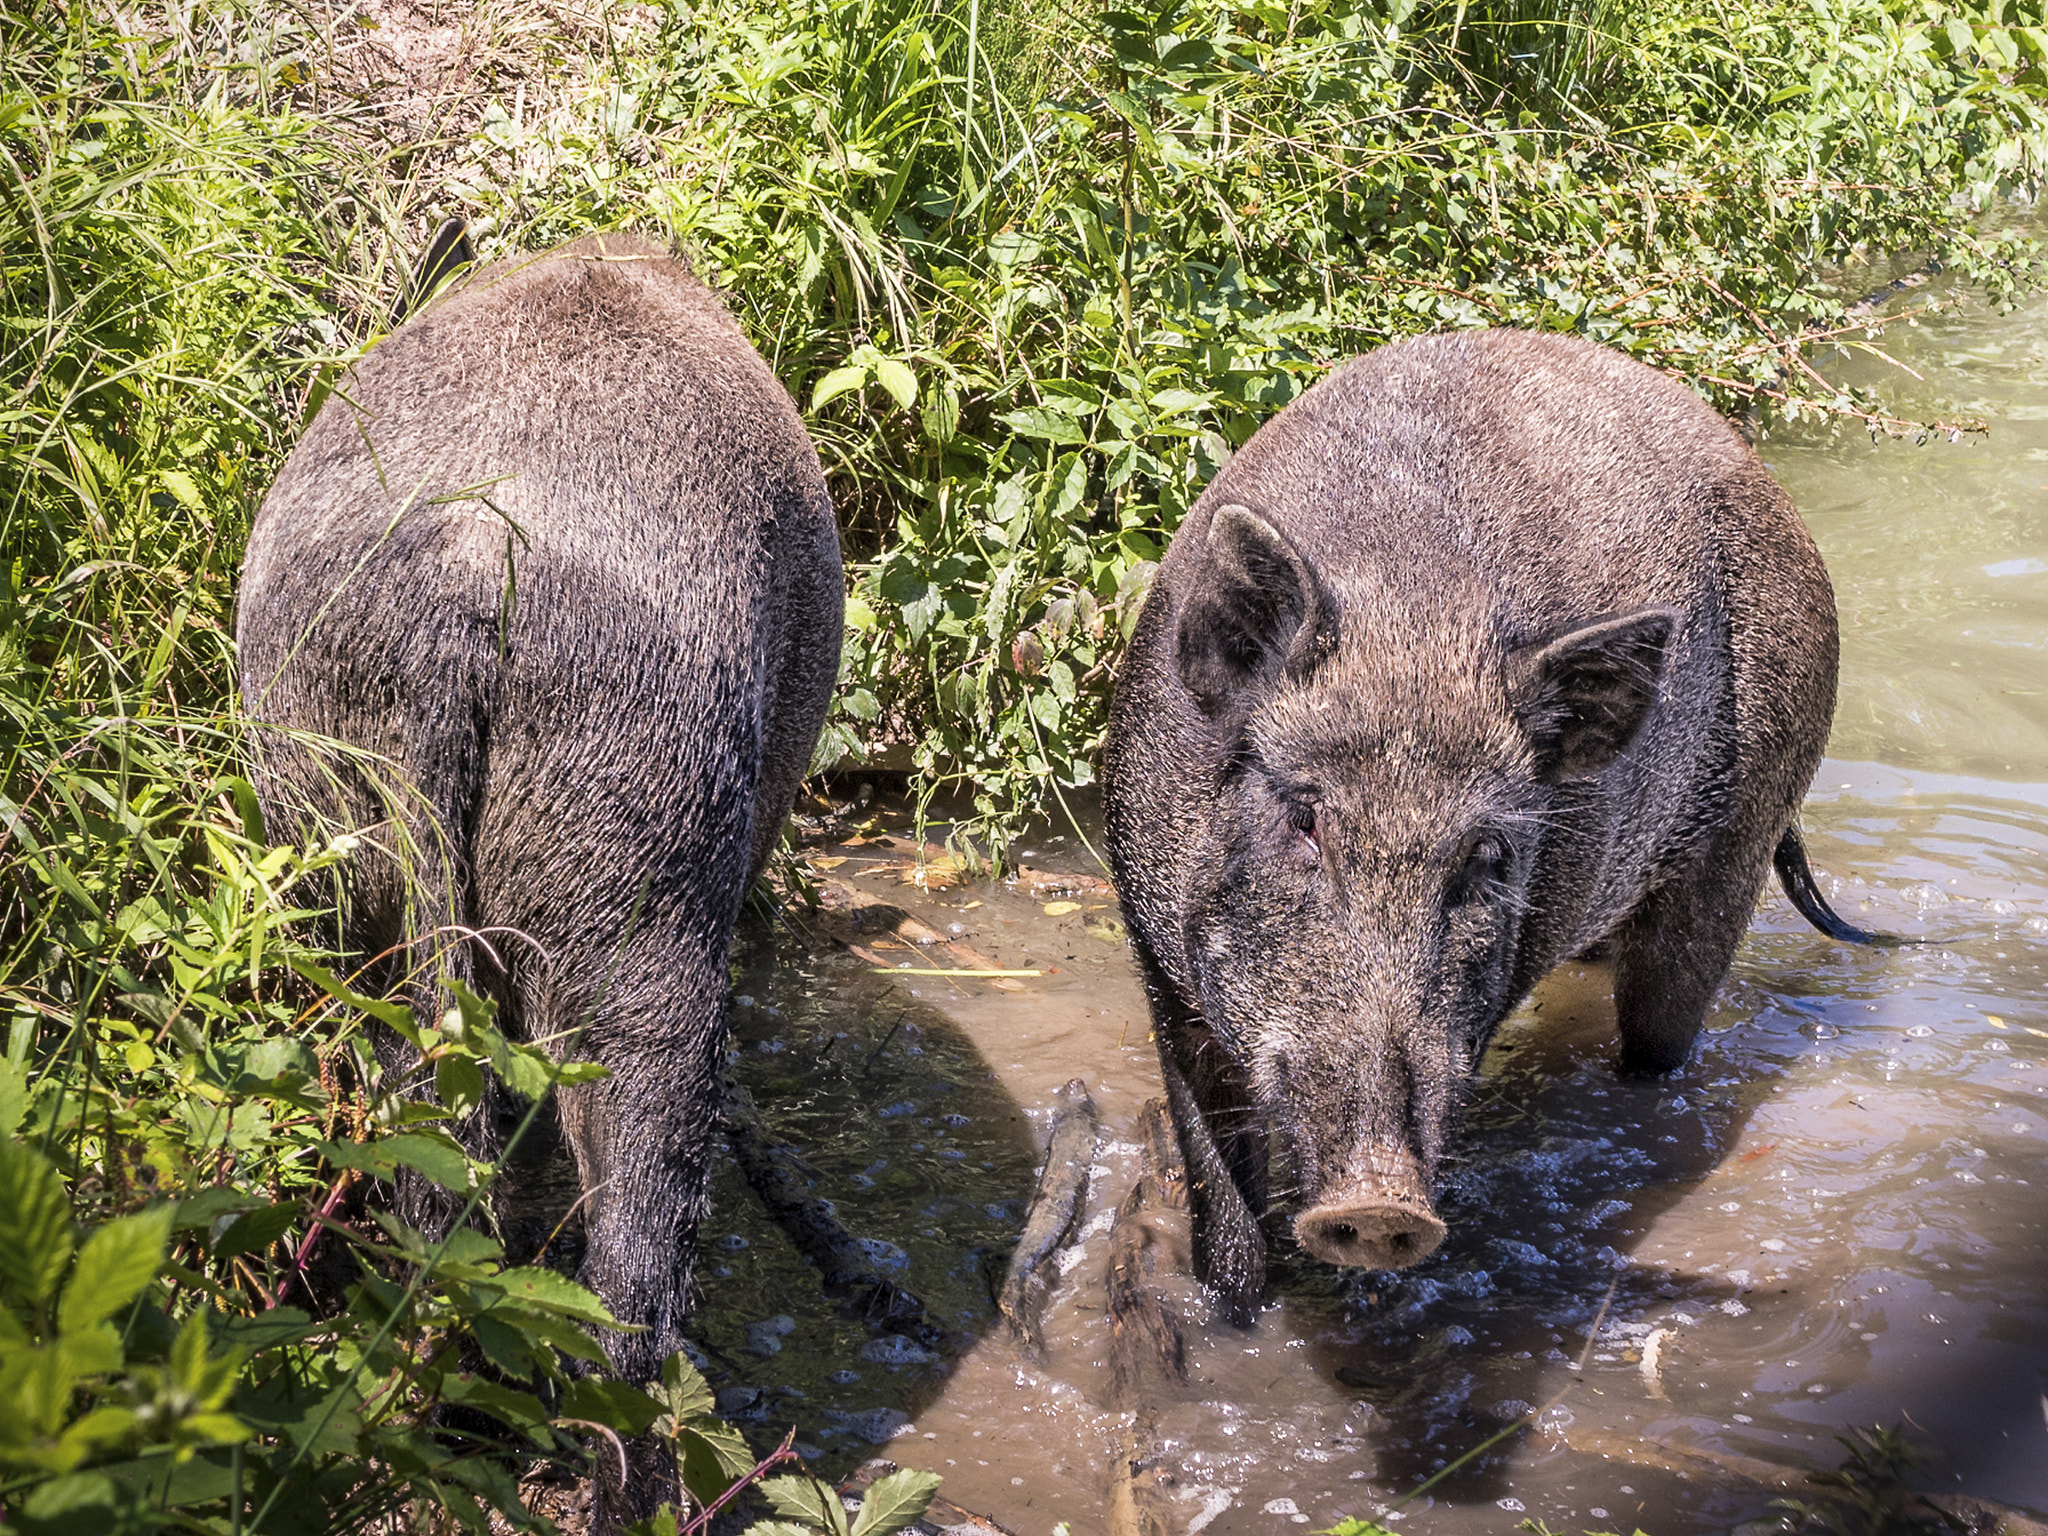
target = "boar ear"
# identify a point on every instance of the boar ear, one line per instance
(1256, 610)
(1583, 696)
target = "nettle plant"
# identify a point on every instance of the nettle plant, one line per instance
(154, 1376)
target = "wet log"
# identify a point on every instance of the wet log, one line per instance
(1980, 1517)
(853, 919)
(1152, 1291)
(784, 1184)
(1151, 1258)
(1055, 1204)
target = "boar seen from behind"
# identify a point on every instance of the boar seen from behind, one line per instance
(557, 560)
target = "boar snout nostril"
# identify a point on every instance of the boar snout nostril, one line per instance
(1370, 1233)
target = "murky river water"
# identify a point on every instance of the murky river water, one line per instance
(1833, 1216)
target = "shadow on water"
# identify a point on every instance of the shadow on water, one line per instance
(912, 1142)
(921, 1153)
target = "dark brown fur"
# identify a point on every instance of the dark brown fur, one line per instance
(559, 553)
(1533, 645)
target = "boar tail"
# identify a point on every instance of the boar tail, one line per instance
(1796, 875)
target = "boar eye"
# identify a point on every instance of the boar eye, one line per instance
(1302, 817)
(1485, 864)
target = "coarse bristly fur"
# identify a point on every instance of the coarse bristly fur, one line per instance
(1492, 648)
(559, 553)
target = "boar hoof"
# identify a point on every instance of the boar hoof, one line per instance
(1369, 1234)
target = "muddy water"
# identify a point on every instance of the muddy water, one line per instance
(1837, 1214)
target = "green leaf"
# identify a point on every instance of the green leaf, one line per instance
(459, 1083)
(265, 1330)
(836, 383)
(941, 415)
(614, 1404)
(557, 1293)
(434, 1154)
(806, 1499)
(116, 1262)
(895, 1502)
(518, 1410)
(684, 1393)
(1051, 426)
(13, 1096)
(255, 1232)
(898, 380)
(35, 1226)
(711, 1456)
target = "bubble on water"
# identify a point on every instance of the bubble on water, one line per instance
(741, 1403)
(2036, 924)
(1731, 1205)
(956, 929)
(1772, 1245)
(1511, 1408)
(765, 1338)
(1920, 1031)
(1597, 1512)
(894, 1349)
(1279, 1507)
(1556, 1417)
(875, 1425)
(1512, 1506)
(1734, 1308)
(732, 1242)
(882, 1255)
(1742, 1418)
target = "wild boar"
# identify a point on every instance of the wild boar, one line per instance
(1491, 649)
(557, 559)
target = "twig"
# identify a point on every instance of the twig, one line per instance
(775, 1458)
(305, 1254)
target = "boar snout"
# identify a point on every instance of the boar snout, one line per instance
(1378, 1218)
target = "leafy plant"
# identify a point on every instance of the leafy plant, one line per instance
(1870, 1496)
(1036, 296)
(805, 1506)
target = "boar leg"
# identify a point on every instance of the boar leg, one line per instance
(1226, 1172)
(1671, 953)
(643, 1139)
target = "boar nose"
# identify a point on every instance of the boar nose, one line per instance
(1378, 1217)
